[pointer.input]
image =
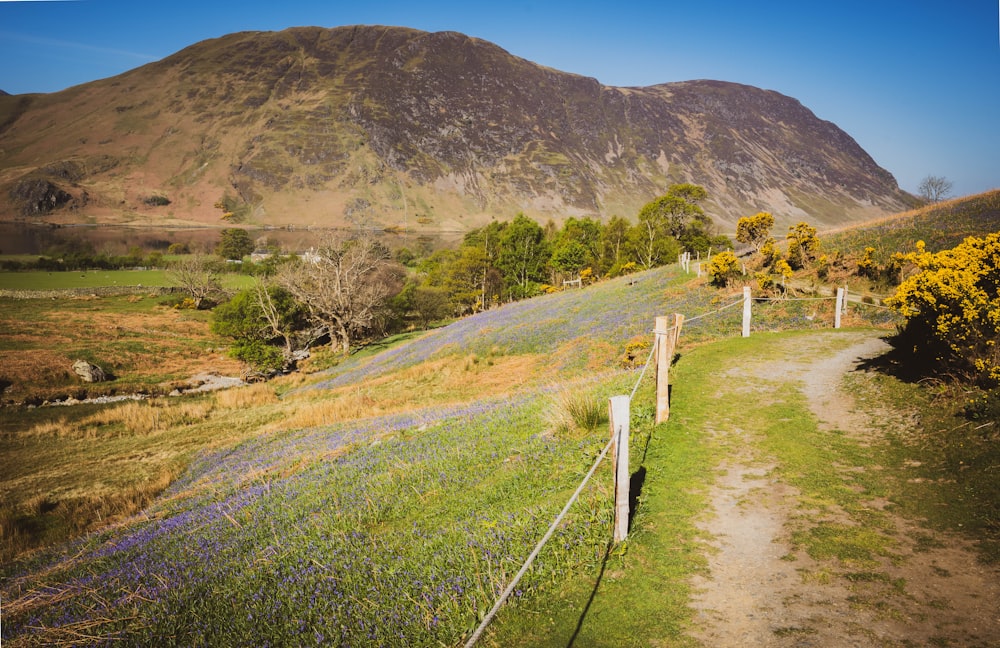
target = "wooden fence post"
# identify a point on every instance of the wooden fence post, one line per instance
(746, 311)
(666, 342)
(839, 308)
(619, 414)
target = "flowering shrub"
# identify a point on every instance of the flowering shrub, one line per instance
(952, 307)
(724, 268)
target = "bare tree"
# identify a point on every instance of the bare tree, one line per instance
(934, 188)
(198, 276)
(345, 285)
(281, 316)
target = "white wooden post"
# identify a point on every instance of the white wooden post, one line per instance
(839, 308)
(619, 416)
(697, 267)
(746, 311)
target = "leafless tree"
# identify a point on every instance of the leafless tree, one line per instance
(345, 284)
(934, 188)
(198, 276)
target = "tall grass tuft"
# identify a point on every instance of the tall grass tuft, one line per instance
(577, 413)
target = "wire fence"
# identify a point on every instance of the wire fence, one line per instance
(841, 303)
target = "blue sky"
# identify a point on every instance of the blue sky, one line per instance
(915, 82)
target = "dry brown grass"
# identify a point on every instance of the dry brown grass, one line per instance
(436, 382)
(343, 406)
(42, 518)
(141, 342)
(146, 417)
(246, 397)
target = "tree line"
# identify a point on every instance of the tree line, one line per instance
(352, 289)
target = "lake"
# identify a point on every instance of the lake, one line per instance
(31, 238)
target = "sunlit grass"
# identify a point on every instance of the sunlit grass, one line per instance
(388, 499)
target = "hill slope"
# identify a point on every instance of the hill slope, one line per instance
(940, 226)
(393, 127)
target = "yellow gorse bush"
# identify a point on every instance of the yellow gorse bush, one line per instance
(954, 298)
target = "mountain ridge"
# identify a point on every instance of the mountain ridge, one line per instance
(392, 127)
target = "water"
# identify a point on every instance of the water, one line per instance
(28, 238)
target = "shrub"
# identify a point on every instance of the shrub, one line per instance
(259, 356)
(157, 201)
(952, 308)
(985, 407)
(803, 245)
(765, 282)
(635, 353)
(724, 268)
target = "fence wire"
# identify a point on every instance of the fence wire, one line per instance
(534, 554)
(548, 534)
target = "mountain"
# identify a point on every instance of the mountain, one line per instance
(392, 127)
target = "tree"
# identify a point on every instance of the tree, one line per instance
(235, 244)
(585, 231)
(199, 277)
(431, 304)
(674, 214)
(934, 188)
(469, 279)
(755, 230)
(570, 257)
(676, 209)
(614, 239)
(258, 317)
(345, 285)
(523, 255)
(650, 246)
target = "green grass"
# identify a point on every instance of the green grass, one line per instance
(413, 512)
(41, 280)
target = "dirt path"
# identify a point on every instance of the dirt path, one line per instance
(760, 592)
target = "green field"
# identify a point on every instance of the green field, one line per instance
(41, 280)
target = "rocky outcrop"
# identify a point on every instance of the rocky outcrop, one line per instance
(38, 196)
(88, 372)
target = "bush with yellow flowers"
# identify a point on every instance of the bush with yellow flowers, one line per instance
(952, 308)
(724, 268)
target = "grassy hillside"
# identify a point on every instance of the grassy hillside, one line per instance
(940, 226)
(386, 500)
